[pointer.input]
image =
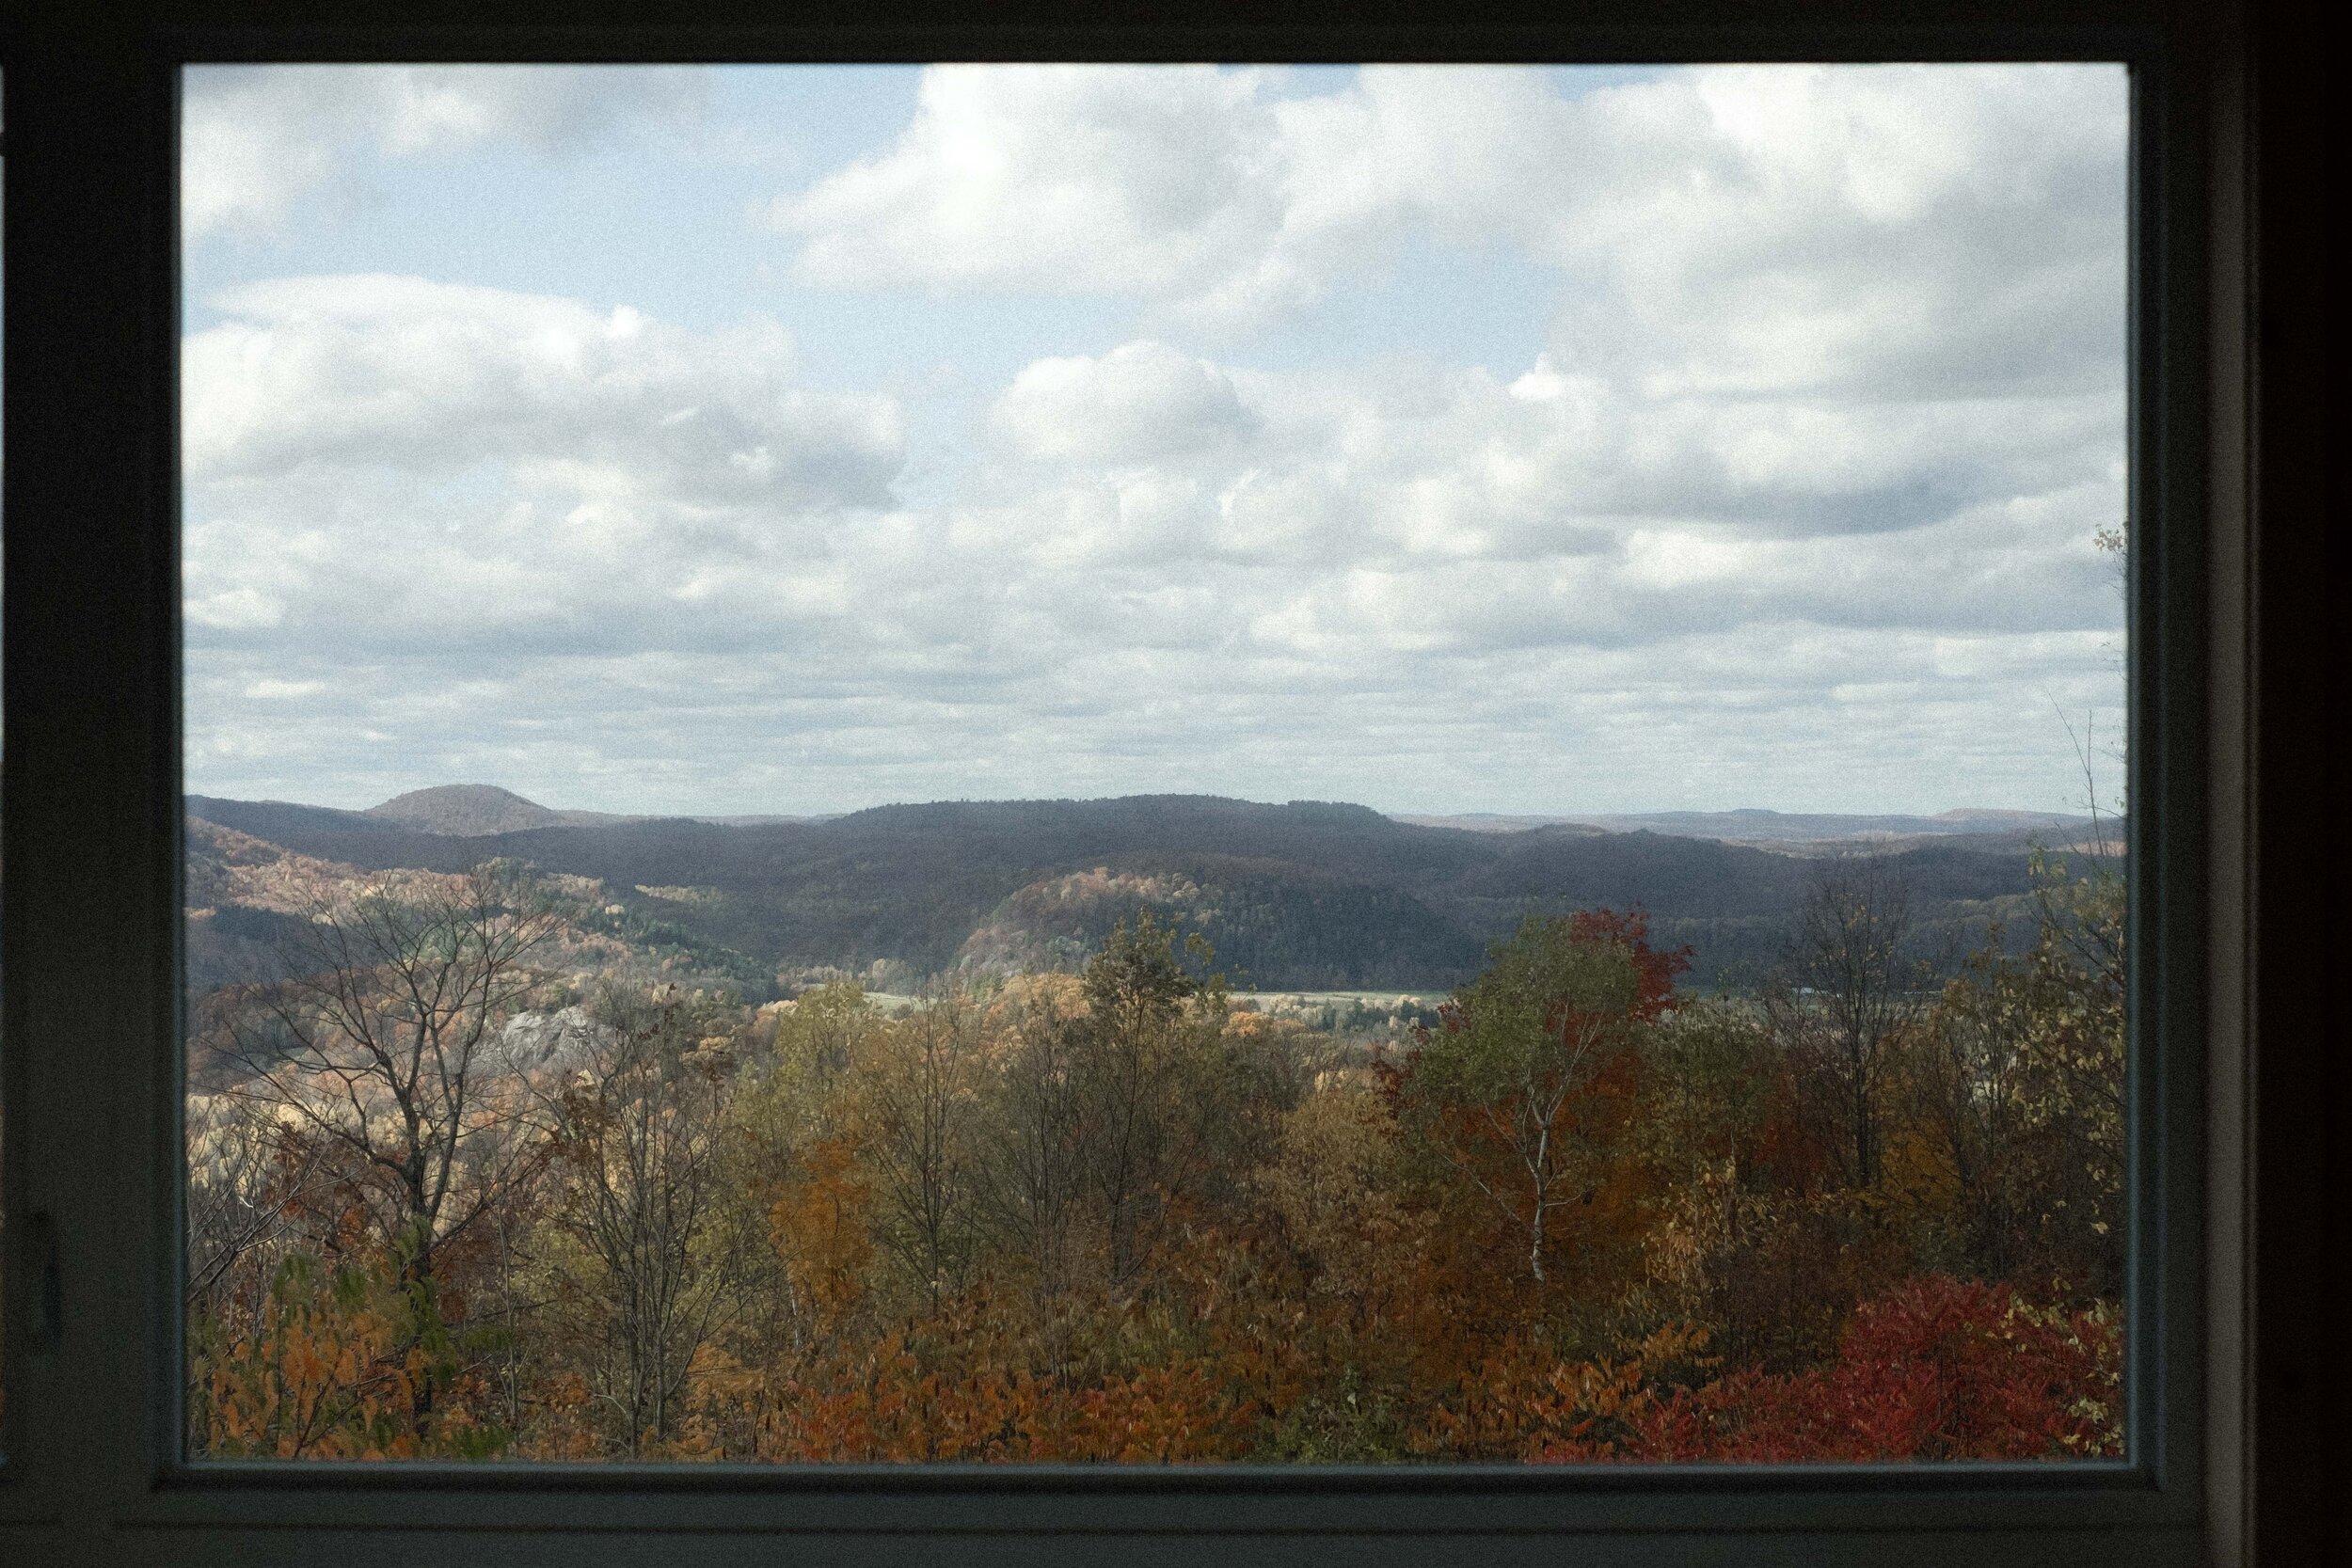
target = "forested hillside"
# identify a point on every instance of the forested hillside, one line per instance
(1303, 895)
(472, 1175)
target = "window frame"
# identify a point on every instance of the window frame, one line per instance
(93, 834)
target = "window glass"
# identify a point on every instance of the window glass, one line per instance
(1154, 765)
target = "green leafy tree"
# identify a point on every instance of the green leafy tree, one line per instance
(1501, 1087)
(1149, 1029)
(2024, 1066)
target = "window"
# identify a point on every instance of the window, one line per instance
(90, 613)
(1334, 478)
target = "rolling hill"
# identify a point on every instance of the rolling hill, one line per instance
(472, 811)
(1307, 895)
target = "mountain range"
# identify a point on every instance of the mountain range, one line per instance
(1301, 895)
(1817, 832)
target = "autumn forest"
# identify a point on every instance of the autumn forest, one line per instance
(470, 1178)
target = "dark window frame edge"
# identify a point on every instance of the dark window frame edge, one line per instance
(1832, 1500)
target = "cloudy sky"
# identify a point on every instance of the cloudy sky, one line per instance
(1445, 439)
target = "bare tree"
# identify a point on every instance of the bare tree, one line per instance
(246, 1174)
(1130, 1054)
(376, 1050)
(921, 1097)
(1968, 1074)
(1034, 1169)
(637, 1137)
(1848, 992)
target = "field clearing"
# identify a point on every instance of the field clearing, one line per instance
(1341, 998)
(895, 1003)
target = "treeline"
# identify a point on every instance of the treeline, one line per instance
(1295, 896)
(445, 1203)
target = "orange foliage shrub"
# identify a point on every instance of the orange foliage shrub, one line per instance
(1934, 1370)
(349, 1364)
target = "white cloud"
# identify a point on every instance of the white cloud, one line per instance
(276, 690)
(374, 370)
(1057, 179)
(1140, 401)
(1788, 500)
(233, 609)
(1770, 226)
(381, 466)
(257, 139)
(374, 461)
(1892, 230)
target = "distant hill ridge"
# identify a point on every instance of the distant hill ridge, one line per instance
(1751, 825)
(445, 811)
(1308, 893)
(475, 810)
(481, 811)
